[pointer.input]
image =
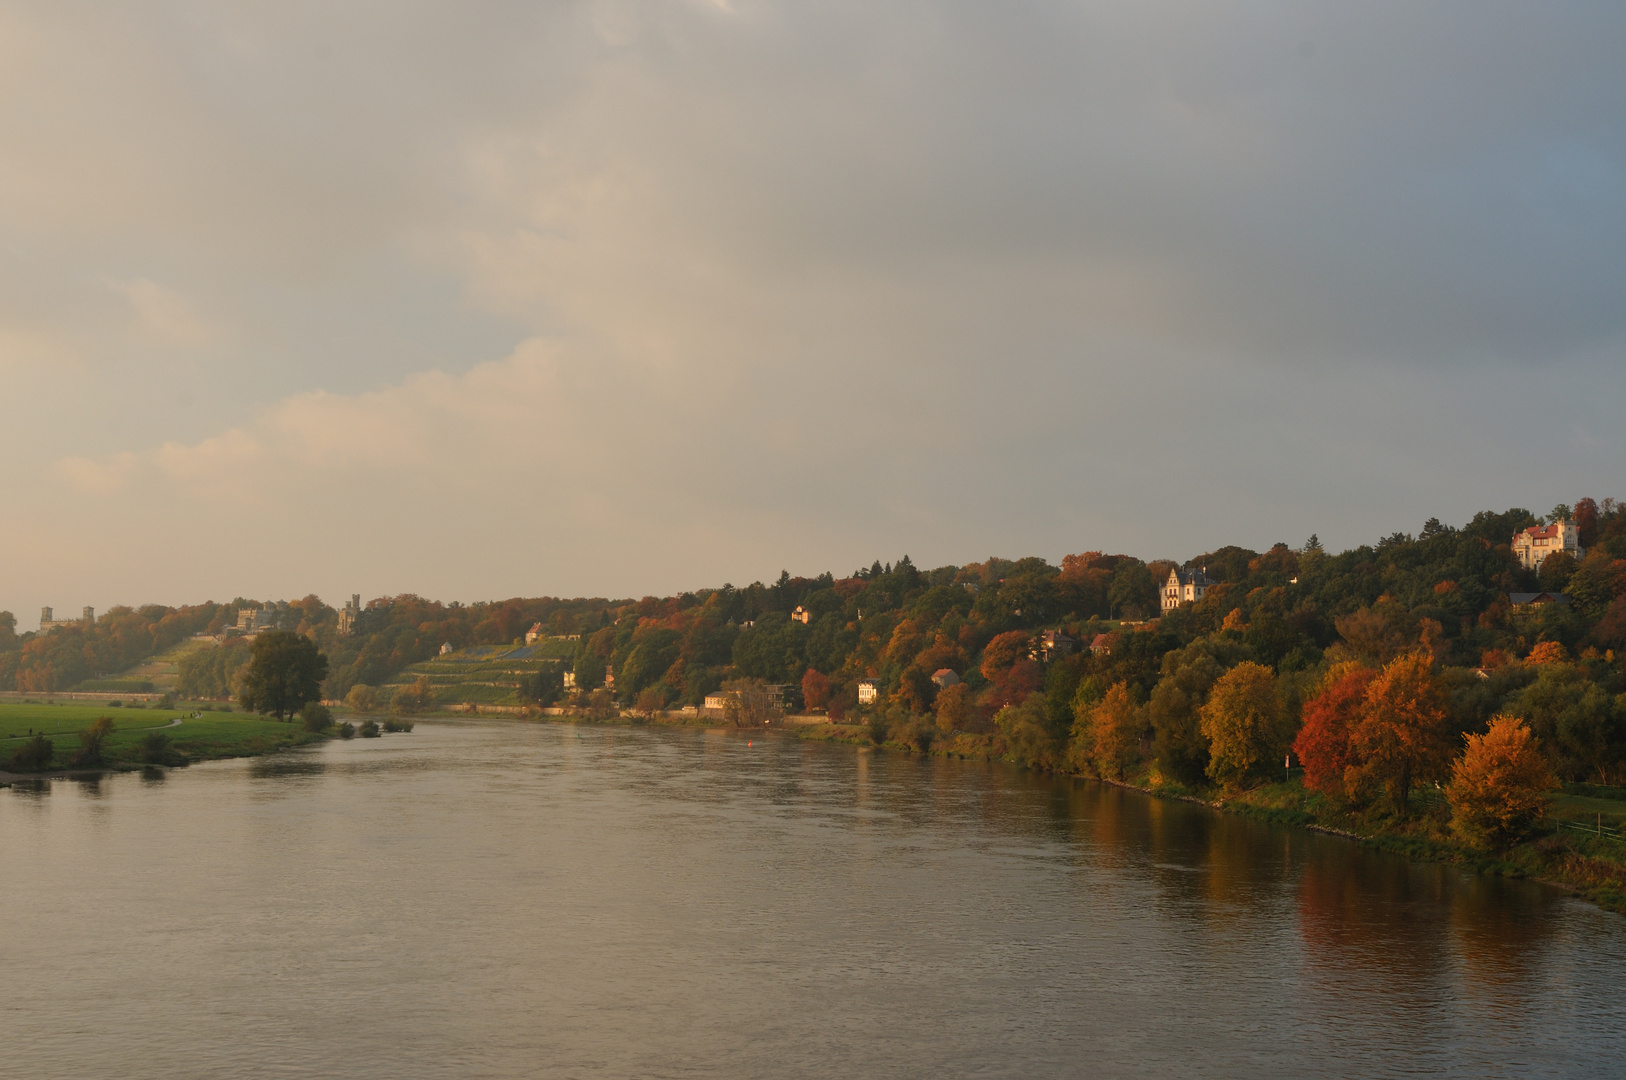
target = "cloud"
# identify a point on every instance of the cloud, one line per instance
(165, 313)
(624, 295)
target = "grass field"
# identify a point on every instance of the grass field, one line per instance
(209, 735)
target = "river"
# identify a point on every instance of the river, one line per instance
(518, 900)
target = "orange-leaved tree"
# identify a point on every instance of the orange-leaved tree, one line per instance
(1243, 723)
(1500, 784)
(815, 689)
(1548, 652)
(1117, 724)
(1322, 746)
(1402, 734)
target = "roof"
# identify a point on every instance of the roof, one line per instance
(1192, 577)
(1101, 640)
(944, 671)
(1520, 599)
(1542, 532)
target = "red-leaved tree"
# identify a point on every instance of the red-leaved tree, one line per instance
(1322, 746)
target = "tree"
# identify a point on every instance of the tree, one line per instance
(815, 689)
(1117, 724)
(1548, 652)
(1243, 723)
(1401, 734)
(414, 697)
(1500, 784)
(1028, 739)
(285, 671)
(362, 698)
(1322, 746)
(953, 707)
(649, 703)
(747, 703)
(1004, 651)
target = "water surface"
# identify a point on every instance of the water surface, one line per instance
(513, 900)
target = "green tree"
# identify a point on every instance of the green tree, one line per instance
(285, 671)
(1243, 722)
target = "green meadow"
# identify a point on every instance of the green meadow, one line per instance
(208, 735)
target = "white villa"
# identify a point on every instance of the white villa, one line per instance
(1184, 587)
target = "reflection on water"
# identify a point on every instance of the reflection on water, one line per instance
(524, 900)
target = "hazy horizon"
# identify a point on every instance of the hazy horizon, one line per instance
(623, 298)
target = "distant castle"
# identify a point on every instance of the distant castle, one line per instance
(349, 614)
(47, 623)
(253, 620)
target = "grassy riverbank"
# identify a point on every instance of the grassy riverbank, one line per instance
(199, 736)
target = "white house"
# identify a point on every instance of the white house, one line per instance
(868, 691)
(1185, 587)
(945, 678)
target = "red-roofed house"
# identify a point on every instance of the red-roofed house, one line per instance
(1532, 546)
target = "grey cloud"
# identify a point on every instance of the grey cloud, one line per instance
(821, 281)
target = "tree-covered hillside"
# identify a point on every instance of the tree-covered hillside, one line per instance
(1297, 611)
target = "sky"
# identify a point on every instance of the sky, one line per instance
(616, 298)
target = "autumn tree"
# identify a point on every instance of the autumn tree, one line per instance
(285, 671)
(414, 697)
(1500, 785)
(815, 689)
(1548, 652)
(1401, 734)
(91, 741)
(362, 698)
(1117, 724)
(953, 708)
(1322, 745)
(1243, 723)
(1004, 651)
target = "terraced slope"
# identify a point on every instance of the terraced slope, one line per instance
(484, 674)
(160, 670)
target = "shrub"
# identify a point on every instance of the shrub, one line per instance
(34, 755)
(347, 730)
(154, 749)
(1500, 784)
(317, 716)
(369, 730)
(395, 723)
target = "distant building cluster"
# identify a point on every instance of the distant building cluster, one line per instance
(47, 623)
(254, 620)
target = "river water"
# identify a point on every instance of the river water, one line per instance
(514, 900)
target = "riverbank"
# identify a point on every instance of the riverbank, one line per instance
(190, 735)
